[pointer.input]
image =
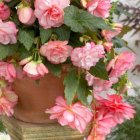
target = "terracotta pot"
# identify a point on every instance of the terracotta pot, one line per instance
(35, 98)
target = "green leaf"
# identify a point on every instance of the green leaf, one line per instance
(119, 43)
(100, 70)
(82, 90)
(62, 32)
(26, 37)
(7, 50)
(45, 34)
(80, 20)
(13, 3)
(71, 83)
(54, 69)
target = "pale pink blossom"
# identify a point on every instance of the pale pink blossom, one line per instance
(50, 12)
(7, 71)
(4, 11)
(108, 46)
(98, 84)
(76, 115)
(56, 51)
(120, 65)
(8, 32)
(99, 8)
(8, 100)
(35, 69)
(87, 56)
(26, 15)
(108, 34)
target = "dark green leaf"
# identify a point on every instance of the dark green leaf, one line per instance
(75, 39)
(54, 69)
(13, 3)
(62, 32)
(7, 50)
(45, 34)
(100, 70)
(82, 91)
(80, 20)
(26, 37)
(119, 43)
(71, 82)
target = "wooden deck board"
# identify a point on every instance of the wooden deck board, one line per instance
(53, 131)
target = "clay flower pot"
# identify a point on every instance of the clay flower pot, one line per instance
(35, 98)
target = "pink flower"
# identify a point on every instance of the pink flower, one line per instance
(108, 46)
(35, 69)
(50, 12)
(76, 115)
(121, 64)
(26, 15)
(7, 71)
(98, 84)
(115, 106)
(87, 56)
(56, 51)
(8, 100)
(8, 32)
(109, 112)
(102, 127)
(108, 34)
(99, 8)
(4, 11)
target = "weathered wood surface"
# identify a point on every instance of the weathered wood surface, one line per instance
(53, 131)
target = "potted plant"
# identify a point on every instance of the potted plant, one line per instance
(59, 62)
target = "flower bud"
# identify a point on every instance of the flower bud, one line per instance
(26, 15)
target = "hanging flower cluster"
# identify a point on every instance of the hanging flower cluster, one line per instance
(37, 34)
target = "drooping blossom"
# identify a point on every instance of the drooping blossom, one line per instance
(98, 84)
(110, 111)
(56, 51)
(8, 32)
(8, 100)
(76, 115)
(115, 106)
(108, 34)
(99, 8)
(120, 65)
(108, 46)
(7, 71)
(50, 13)
(103, 124)
(4, 11)
(87, 56)
(26, 15)
(35, 69)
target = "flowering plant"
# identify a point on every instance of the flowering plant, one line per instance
(40, 36)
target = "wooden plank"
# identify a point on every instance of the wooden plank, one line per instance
(53, 131)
